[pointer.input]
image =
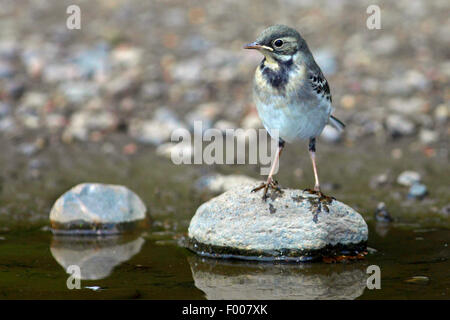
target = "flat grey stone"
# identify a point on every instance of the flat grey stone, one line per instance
(96, 207)
(240, 223)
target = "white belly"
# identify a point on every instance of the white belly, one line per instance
(293, 122)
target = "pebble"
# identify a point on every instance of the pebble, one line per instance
(223, 125)
(251, 121)
(427, 136)
(157, 130)
(85, 121)
(441, 113)
(205, 113)
(408, 178)
(379, 180)
(399, 125)
(417, 191)
(330, 134)
(218, 183)
(382, 214)
(96, 208)
(413, 105)
(183, 151)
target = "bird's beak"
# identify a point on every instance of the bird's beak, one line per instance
(255, 45)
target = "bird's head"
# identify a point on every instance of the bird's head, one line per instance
(279, 43)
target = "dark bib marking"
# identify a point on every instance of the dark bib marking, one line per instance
(276, 78)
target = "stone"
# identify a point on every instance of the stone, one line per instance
(379, 180)
(441, 113)
(224, 125)
(181, 150)
(157, 130)
(408, 178)
(288, 227)
(414, 105)
(399, 125)
(218, 183)
(251, 121)
(206, 113)
(382, 214)
(78, 91)
(85, 121)
(95, 208)
(417, 191)
(330, 134)
(427, 136)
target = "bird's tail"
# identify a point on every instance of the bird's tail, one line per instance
(338, 124)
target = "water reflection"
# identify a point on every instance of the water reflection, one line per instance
(220, 279)
(96, 256)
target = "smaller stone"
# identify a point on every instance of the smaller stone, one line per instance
(205, 113)
(382, 214)
(427, 136)
(223, 125)
(330, 134)
(251, 121)
(126, 56)
(379, 180)
(178, 150)
(445, 211)
(157, 130)
(408, 178)
(94, 208)
(217, 183)
(441, 113)
(79, 91)
(414, 105)
(398, 125)
(348, 101)
(417, 191)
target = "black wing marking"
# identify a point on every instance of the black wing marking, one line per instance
(320, 85)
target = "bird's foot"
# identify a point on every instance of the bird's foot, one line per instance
(322, 201)
(273, 184)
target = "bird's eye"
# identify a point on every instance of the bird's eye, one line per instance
(278, 43)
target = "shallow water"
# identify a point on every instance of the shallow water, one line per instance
(152, 264)
(34, 262)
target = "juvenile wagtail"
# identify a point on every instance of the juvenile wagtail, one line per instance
(291, 94)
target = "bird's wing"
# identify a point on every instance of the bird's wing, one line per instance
(319, 84)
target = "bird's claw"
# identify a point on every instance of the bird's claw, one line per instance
(322, 197)
(273, 184)
(322, 202)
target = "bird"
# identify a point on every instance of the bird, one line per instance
(291, 96)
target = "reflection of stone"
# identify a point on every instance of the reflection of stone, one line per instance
(96, 257)
(220, 279)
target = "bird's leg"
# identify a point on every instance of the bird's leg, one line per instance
(312, 154)
(270, 182)
(322, 197)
